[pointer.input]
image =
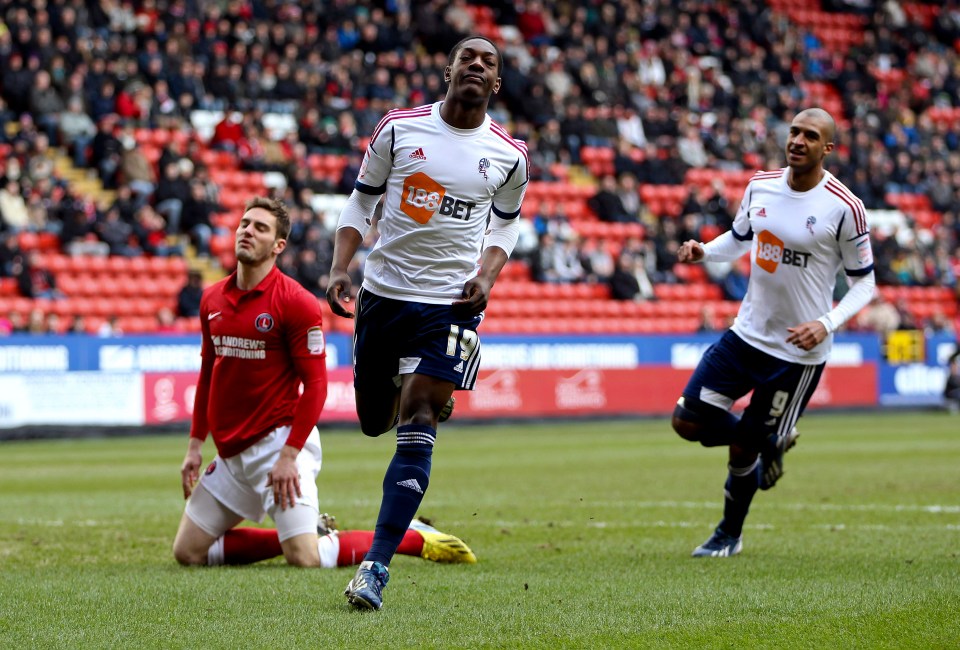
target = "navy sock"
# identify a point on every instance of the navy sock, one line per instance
(741, 485)
(404, 485)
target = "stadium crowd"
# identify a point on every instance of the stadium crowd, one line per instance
(668, 86)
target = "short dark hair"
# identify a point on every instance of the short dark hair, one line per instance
(274, 207)
(459, 45)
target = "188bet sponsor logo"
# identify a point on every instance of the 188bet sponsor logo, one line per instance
(423, 197)
(771, 252)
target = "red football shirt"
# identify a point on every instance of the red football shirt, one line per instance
(258, 347)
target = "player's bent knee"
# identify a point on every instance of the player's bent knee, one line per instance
(304, 561)
(187, 556)
(685, 423)
(301, 551)
(686, 430)
(374, 429)
(375, 421)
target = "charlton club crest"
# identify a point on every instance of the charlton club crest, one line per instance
(263, 323)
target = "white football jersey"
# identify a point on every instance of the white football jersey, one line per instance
(440, 184)
(801, 240)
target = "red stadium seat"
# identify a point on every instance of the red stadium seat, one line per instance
(221, 244)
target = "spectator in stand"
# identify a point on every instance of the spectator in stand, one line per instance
(348, 176)
(45, 104)
(17, 82)
(79, 325)
(149, 228)
(535, 23)
(666, 244)
(117, 234)
(9, 253)
(629, 195)
(173, 190)
(559, 261)
(195, 218)
(201, 176)
(25, 140)
(311, 273)
(908, 320)
(712, 205)
(629, 281)
(573, 129)
(596, 261)
(552, 219)
(77, 131)
(229, 132)
(125, 203)
(105, 151)
(606, 204)
(939, 323)
(110, 328)
(695, 203)
(13, 207)
(188, 299)
(6, 325)
(7, 118)
(18, 322)
(40, 162)
(138, 172)
(103, 100)
(642, 271)
(630, 126)
(251, 149)
(164, 110)
(708, 319)
(42, 195)
(77, 236)
(33, 279)
(907, 266)
(735, 283)
(879, 316)
(166, 321)
(36, 322)
(175, 152)
(55, 324)
(129, 103)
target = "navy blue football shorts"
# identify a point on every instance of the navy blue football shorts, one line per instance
(398, 337)
(731, 368)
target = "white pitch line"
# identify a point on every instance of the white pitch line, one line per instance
(825, 507)
(59, 523)
(826, 527)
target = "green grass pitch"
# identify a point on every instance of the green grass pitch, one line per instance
(583, 532)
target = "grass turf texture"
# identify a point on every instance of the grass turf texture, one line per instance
(583, 533)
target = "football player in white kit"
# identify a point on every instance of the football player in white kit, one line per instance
(801, 226)
(452, 182)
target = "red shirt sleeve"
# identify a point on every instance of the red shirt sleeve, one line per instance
(199, 424)
(308, 352)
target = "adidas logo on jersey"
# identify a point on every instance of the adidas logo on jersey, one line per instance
(412, 484)
(458, 367)
(418, 154)
(762, 212)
